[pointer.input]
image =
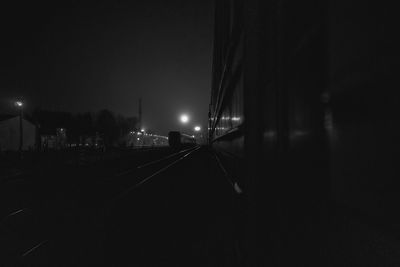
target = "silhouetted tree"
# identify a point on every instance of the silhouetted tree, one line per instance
(125, 125)
(132, 122)
(106, 125)
(82, 125)
(49, 121)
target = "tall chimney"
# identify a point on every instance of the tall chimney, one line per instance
(140, 113)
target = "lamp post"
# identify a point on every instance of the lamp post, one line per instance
(20, 105)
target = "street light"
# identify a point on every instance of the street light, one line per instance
(197, 128)
(184, 118)
(20, 105)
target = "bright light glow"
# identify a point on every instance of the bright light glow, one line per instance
(236, 118)
(138, 139)
(19, 103)
(229, 118)
(197, 128)
(142, 130)
(184, 118)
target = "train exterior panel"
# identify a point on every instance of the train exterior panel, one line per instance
(302, 115)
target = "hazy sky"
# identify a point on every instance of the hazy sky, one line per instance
(84, 57)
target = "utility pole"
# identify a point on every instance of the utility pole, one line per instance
(20, 105)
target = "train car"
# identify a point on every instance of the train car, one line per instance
(302, 116)
(174, 139)
(142, 139)
(188, 139)
(179, 140)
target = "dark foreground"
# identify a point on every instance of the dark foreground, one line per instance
(95, 216)
(181, 211)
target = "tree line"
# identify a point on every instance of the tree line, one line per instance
(105, 123)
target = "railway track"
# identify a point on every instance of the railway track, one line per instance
(181, 218)
(53, 235)
(150, 169)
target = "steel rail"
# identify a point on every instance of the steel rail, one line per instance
(165, 158)
(147, 178)
(186, 153)
(11, 214)
(34, 248)
(27, 252)
(153, 162)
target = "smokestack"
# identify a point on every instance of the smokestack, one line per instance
(140, 113)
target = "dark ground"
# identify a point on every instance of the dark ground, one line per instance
(182, 217)
(75, 215)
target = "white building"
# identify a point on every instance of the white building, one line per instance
(9, 133)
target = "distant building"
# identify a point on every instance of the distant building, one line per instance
(10, 133)
(53, 127)
(56, 139)
(91, 140)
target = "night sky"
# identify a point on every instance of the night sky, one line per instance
(84, 57)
